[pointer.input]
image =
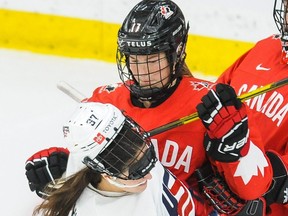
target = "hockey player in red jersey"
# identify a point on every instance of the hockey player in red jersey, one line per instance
(157, 88)
(266, 63)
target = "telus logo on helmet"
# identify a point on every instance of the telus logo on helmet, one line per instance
(139, 43)
(122, 43)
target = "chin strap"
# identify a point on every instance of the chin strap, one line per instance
(145, 94)
(120, 185)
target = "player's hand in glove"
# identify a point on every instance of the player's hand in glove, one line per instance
(217, 192)
(223, 200)
(224, 116)
(44, 167)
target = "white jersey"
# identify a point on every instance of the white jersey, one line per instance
(165, 195)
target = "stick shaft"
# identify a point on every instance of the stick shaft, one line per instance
(78, 96)
(70, 91)
(194, 116)
(261, 90)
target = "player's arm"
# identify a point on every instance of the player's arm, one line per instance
(224, 201)
(45, 167)
(227, 143)
(219, 195)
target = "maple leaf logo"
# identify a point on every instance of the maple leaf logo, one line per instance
(111, 87)
(200, 85)
(250, 164)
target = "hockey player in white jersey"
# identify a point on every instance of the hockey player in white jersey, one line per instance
(113, 170)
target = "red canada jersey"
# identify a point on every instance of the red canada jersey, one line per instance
(258, 67)
(180, 149)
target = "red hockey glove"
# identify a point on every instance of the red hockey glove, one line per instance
(223, 200)
(217, 192)
(44, 167)
(223, 114)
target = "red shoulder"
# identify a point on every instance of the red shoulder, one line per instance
(108, 93)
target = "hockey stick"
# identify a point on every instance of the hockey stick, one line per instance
(194, 116)
(70, 91)
(77, 96)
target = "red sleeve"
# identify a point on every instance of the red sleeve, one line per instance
(250, 176)
(248, 180)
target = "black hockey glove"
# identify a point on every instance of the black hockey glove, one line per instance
(255, 207)
(44, 167)
(224, 116)
(217, 192)
(223, 200)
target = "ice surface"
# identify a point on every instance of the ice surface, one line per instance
(32, 112)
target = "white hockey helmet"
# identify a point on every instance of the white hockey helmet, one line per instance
(101, 137)
(90, 129)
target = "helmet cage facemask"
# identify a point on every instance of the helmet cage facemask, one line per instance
(175, 54)
(279, 14)
(137, 167)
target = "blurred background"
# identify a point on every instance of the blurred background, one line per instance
(44, 42)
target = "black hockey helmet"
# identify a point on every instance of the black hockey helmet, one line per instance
(279, 15)
(152, 27)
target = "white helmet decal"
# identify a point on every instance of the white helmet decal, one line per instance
(89, 131)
